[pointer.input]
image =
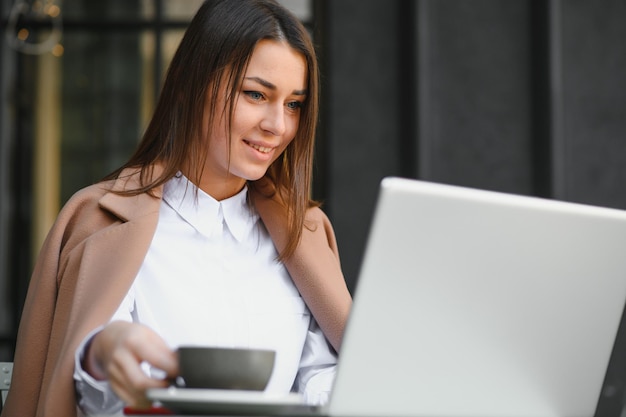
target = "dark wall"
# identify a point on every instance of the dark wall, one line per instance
(592, 96)
(526, 97)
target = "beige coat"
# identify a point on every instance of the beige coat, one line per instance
(88, 263)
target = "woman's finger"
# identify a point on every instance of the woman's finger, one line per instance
(147, 346)
(121, 348)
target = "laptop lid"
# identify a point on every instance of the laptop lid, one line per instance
(478, 303)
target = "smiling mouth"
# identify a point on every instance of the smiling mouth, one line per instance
(259, 148)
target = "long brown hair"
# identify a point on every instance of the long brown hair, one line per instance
(214, 53)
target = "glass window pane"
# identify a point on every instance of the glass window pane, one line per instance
(105, 86)
(171, 40)
(180, 10)
(109, 10)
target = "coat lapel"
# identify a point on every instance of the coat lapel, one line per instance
(314, 266)
(98, 274)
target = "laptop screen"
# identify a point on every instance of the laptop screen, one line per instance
(477, 303)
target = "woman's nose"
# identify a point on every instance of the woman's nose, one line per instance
(274, 120)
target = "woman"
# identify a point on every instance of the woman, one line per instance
(206, 235)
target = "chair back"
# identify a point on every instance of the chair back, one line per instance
(6, 370)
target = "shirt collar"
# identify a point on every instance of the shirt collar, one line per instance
(206, 214)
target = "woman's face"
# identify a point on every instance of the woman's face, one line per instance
(265, 119)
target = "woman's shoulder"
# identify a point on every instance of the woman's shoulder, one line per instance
(90, 197)
(315, 216)
(79, 218)
(92, 192)
(82, 214)
(87, 197)
(317, 221)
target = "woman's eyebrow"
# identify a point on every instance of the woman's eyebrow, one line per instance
(271, 86)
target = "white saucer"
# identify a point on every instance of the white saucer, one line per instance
(229, 402)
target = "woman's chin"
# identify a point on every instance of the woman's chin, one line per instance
(255, 175)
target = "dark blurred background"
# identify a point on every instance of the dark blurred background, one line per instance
(525, 97)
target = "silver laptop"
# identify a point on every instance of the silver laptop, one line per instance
(476, 303)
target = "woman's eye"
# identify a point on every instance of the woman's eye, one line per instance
(254, 95)
(294, 105)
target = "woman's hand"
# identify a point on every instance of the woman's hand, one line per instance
(116, 354)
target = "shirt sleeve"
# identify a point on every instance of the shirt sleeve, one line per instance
(318, 365)
(93, 396)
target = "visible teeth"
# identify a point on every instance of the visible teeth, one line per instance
(260, 148)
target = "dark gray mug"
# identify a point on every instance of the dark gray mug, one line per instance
(225, 368)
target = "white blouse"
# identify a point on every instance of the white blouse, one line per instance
(211, 277)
